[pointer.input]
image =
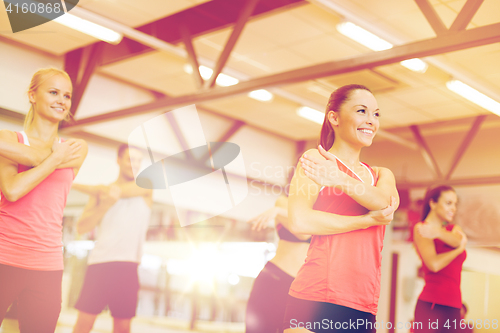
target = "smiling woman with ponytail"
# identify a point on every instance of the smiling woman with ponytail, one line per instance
(345, 204)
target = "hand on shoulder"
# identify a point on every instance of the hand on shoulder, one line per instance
(321, 167)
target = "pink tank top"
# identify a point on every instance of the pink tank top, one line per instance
(31, 227)
(443, 287)
(343, 269)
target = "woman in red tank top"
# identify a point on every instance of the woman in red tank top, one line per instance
(441, 246)
(345, 205)
(36, 172)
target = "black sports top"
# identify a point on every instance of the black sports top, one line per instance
(285, 234)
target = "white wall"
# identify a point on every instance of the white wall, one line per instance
(17, 65)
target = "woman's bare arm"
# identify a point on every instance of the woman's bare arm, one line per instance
(15, 185)
(20, 153)
(303, 219)
(452, 238)
(435, 262)
(321, 167)
(96, 208)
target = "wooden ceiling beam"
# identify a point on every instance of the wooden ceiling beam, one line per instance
(237, 124)
(465, 144)
(80, 65)
(442, 44)
(191, 55)
(164, 33)
(432, 17)
(230, 132)
(466, 14)
(245, 14)
(426, 151)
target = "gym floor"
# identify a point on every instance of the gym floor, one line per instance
(104, 324)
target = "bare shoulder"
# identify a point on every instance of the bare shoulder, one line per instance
(417, 225)
(381, 171)
(300, 178)
(313, 153)
(84, 147)
(308, 154)
(82, 142)
(7, 135)
(282, 201)
(417, 238)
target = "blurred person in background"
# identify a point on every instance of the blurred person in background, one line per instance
(121, 211)
(441, 247)
(267, 301)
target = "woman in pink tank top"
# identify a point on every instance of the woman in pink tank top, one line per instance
(345, 205)
(36, 172)
(441, 246)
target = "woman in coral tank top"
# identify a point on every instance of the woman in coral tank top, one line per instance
(441, 246)
(345, 205)
(36, 172)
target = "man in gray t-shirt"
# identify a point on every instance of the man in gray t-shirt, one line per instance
(121, 211)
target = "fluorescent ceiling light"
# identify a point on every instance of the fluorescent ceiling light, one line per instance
(188, 69)
(375, 43)
(474, 96)
(363, 36)
(223, 80)
(311, 114)
(233, 279)
(415, 65)
(261, 95)
(89, 28)
(205, 72)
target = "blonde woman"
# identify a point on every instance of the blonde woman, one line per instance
(34, 182)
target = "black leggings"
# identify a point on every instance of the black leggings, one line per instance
(38, 295)
(267, 301)
(431, 317)
(322, 317)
